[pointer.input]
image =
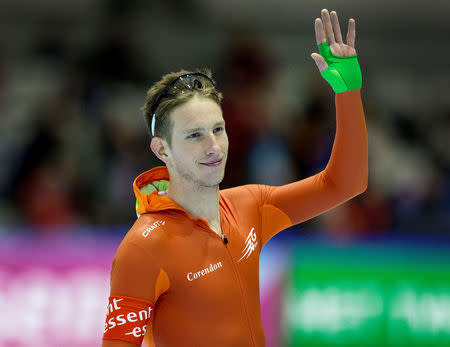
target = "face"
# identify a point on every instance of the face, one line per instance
(199, 149)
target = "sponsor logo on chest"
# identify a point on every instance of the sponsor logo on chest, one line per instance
(191, 276)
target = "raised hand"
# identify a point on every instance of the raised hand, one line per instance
(328, 28)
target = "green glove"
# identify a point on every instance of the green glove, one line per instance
(343, 73)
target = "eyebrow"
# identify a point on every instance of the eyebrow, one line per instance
(221, 123)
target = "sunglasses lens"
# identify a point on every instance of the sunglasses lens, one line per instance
(184, 83)
(189, 82)
(197, 83)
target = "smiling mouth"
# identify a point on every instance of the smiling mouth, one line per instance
(215, 163)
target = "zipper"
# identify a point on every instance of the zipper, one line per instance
(242, 296)
(225, 241)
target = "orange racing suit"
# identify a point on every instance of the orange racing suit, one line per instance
(177, 282)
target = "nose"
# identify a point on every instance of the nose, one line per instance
(212, 147)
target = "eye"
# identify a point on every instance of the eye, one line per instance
(193, 135)
(218, 130)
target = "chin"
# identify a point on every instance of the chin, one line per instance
(213, 181)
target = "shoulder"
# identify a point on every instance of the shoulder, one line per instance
(249, 193)
(148, 228)
(143, 242)
(243, 203)
(137, 262)
(145, 238)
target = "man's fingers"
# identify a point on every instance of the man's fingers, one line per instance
(320, 32)
(327, 26)
(351, 33)
(336, 27)
(320, 62)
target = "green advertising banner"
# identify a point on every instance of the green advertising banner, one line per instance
(367, 296)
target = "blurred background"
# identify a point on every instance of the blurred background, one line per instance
(73, 76)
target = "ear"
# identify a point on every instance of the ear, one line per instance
(158, 146)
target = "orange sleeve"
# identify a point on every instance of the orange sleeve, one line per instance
(344, 177)
(137, 281)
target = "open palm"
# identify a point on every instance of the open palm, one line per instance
(328, 28)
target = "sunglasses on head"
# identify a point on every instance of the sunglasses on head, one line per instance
(188, 81)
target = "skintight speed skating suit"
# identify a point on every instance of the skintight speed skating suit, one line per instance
(178, 283)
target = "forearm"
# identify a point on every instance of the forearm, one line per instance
(345, 175)
(347, 168)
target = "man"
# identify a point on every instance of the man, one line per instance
(186, 274)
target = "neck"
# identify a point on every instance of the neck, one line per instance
(196, 200)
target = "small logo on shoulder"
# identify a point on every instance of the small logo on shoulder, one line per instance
(250, 245)
(152, 227)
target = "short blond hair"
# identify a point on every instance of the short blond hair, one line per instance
(163, 123)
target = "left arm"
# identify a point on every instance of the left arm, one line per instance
(346, 173)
